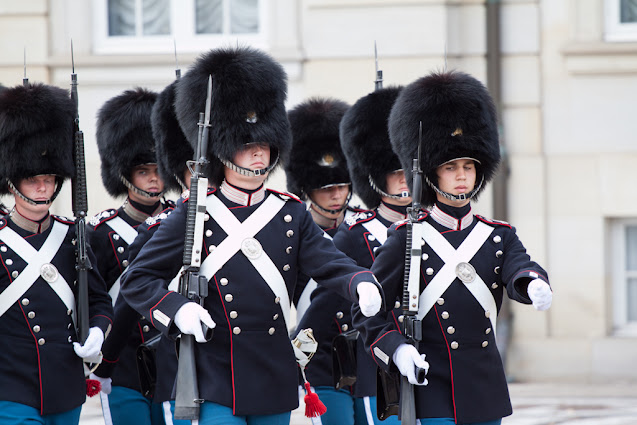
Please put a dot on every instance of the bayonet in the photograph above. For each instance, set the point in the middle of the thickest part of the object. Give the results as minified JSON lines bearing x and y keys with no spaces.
{"x":177,"y":69}
{"x":378,"y":82}
{"x":25,"y":80}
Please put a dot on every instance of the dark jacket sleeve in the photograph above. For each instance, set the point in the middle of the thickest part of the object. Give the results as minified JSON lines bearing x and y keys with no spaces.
{"x":100,"y":305}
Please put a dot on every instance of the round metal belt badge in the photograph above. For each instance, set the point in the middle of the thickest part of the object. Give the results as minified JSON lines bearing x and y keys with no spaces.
{"x":49,"y":272}
{"x":251,"y":248}
{"x":465,"y":272}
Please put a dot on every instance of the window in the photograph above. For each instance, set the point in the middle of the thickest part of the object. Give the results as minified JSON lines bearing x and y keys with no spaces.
{"x":151,"y":26}
{"x":624,"y":254}
{"x":621,"y":20}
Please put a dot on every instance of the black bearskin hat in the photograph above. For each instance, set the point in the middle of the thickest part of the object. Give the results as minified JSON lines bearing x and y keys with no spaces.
{"x":459,"y":120}
{"x":249,"y":89}
{"x":316,"y":159}
{"x":124,"y":137}
{"x":365,"y":141}
{"x":36,"y":133}
{"x":171,"y":145}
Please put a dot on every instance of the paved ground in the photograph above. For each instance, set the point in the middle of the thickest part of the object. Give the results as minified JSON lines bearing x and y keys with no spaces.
{"x":533,"y":404}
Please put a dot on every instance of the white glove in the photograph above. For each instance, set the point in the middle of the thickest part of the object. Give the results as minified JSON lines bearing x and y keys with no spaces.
{"x":369,"y":298}
{"x":407,"y":359}
{"x":92,"y":345}
{"x":540,"y":294}
{"x":189,"y":318}
{"x":105,"y":383}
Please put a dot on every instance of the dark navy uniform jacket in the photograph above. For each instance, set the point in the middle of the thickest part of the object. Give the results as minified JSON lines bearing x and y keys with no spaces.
{"x":131,"y":329}
{"x":249,"y":364}
{"x":466,"y":375}
{"x":38,"y":366}
{"x":330,"y":314}
{"x":112,"y":253}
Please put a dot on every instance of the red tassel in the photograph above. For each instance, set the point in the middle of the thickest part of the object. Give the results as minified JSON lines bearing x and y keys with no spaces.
{"x":313,"y":406}
{"x":93,"y":387}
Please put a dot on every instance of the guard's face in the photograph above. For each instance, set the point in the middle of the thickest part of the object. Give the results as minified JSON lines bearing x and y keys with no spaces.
{"x":331,"y":198}
{"x":396,"y":183}
{"x":37,"y":188}
{"x":146,"y":177}
{"x":253,"y":156}
{"x":456,"y":177}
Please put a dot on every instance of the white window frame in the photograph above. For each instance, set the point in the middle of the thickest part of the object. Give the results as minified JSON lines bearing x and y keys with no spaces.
{"x":183,"y":36}
{"x":621,"y":325}
{"x":615,"y":31}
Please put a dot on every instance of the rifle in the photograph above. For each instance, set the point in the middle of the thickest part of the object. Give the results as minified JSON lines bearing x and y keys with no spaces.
{"x":378,"y":82}
{"x":25,"y":80}
{"x":192,"y":285}
{"x":411,"y":290}
{"x":80,"y":208}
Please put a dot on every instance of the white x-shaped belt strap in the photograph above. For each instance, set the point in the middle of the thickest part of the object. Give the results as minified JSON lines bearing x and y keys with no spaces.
{"x":447,"y":274}
{"x":239,"y":233}
{"x":378,"y":229}
{"x":128,"y":233}
{"x":35,"y":260}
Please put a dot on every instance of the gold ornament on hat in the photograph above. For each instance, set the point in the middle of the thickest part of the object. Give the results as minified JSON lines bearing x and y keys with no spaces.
{"x":251,"y":117}
{"x":457,"y":132}
{"x":328,"y":160}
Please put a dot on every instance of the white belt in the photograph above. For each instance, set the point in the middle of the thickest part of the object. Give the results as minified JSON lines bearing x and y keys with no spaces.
{"x":237,"y":233}
{"x":35,"y":260}
{"x":447,"y":274}
{"x":125,"y":230}
{"x":377,"y":229}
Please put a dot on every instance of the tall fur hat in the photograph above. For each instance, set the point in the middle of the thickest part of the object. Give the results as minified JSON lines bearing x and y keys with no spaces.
{"x":36,"y":133}
{"x":171,"y":145}
{"x":365,"y":141}
{"x":459,"y":120}
{"x":124,"y":137}
{"x":316,"y":159}
{"x":249,"y":89}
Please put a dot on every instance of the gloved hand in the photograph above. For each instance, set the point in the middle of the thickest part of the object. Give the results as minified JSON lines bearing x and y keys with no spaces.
{"x":369,"y":298}
{"x":407,"y":359}
{"x":92,"y":345}
{"x":105,"y":383}
{"x":189,"y":318}
{"x":540,"y":294}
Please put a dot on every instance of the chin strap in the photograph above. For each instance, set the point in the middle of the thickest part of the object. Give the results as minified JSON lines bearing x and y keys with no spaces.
{"x":325,"y":210}
{"x":461,"y":197}
{"x":403,"y":194}
{"x":31,"y":201}
{"x":139,"y":191}
{"x":248,"y":172}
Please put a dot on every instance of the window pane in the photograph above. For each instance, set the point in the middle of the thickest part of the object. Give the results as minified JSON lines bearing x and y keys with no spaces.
{"x":156,"y":17}
{"x":631,"y":302}
{"x":244,"y":16}
{"x":628,"y":11}
{"x":121,"y":17}
{"x":209,"y":15}
{"x":631,"y":248}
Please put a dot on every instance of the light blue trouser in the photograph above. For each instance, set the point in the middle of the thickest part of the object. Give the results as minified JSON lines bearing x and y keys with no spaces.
{"x":216,"y":414}
{"x":20,"y":414}
{"x":345,"y":409}
{"x":124,"y":406}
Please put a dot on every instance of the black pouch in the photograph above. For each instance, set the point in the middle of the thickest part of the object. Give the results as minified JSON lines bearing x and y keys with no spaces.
{"x":344,"y":359}
{"x":147,"y":366}
{"x":387,"y":394}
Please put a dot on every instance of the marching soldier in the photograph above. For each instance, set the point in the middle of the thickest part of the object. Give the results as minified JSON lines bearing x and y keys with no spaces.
{"x":317,"y":173}
{"x":41,"y":363}
{"x":467,"y":261}
{"x":129,"y":167}
{"x":247,"y":373}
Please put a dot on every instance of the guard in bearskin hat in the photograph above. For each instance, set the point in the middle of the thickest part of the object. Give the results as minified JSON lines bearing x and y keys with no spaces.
{"x":37,"y":292}
{"x":380,"y":182}
{"x":256,"y":241}
{"x":129,"y":167}
{"x":172,"y":152}
{"x":467,"y":261}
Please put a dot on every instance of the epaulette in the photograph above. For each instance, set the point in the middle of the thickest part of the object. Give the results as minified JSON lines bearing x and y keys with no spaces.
{"x":359,"y":217}
{"x":493,"y":222}
{"x":185,"y":195}
{"x":102,"y":217}
{"x":151,"y":221}
{"x":286,"y":196}
{"x":422,"y":215}
{"x":63,"y":219}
